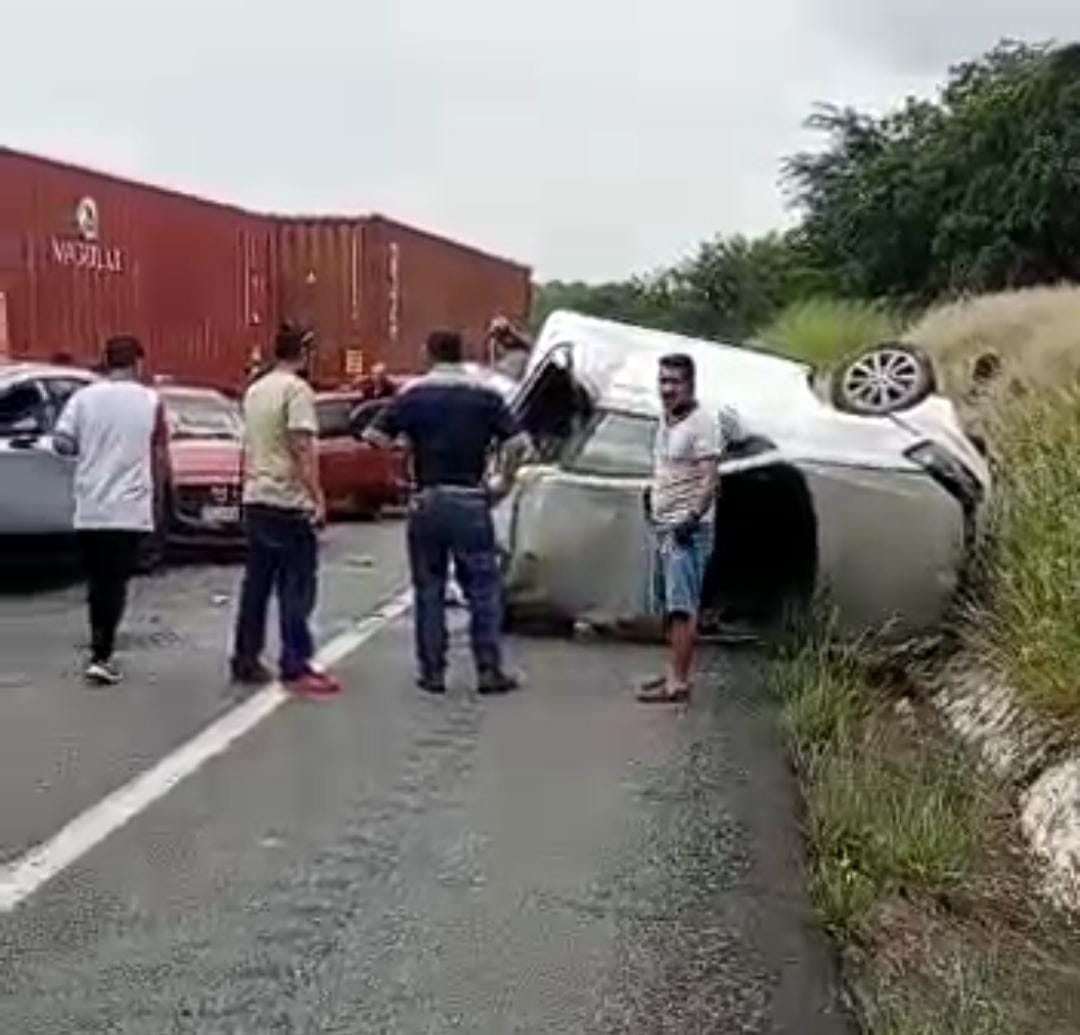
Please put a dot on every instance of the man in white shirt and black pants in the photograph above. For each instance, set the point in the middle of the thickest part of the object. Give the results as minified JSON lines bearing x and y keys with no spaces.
{"x":116,"y":430}
{"x":680,"y":507}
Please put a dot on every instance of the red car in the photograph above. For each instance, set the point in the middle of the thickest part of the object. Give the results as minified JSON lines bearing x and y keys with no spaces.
{"x":201,"y":505}
{"x":357,"y":478}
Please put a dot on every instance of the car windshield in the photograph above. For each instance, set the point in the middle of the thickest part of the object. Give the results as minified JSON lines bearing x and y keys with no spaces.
{"x":333,"y":417}
{"x":620,"y":445}
{"x":203,"y":416}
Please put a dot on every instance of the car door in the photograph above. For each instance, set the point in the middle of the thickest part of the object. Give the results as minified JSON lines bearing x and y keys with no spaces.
{"x":37,"y":497}
{"x":352,"y":471}
{"x":378,"y":475}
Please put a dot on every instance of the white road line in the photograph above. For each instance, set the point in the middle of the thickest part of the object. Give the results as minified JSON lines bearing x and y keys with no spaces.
{"x":21,"y":878}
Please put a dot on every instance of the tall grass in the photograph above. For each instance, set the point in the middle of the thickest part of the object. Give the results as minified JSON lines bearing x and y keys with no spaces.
{"x":1035,"y":333}
{"x":1027,"y":621}
{"x":821,"y":331}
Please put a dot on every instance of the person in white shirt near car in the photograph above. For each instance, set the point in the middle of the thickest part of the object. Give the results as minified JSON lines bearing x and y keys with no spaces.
{"x":116,"y":430}
{"x":680,"y":507}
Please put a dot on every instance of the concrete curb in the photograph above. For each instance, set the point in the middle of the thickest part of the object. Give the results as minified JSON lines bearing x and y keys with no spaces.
{"x":1032,"y":756}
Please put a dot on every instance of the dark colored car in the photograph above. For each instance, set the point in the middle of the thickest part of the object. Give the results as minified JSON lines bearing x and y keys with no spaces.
{"x":357,"y":478}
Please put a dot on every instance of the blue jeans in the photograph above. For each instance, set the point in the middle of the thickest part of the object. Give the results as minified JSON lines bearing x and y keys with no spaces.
{"x":445,"y":524}
{"x":678,"y":571}
{"x":282,"y":557}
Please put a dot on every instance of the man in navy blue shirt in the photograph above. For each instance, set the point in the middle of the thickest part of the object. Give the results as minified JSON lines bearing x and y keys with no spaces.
{"x":452,"y":422}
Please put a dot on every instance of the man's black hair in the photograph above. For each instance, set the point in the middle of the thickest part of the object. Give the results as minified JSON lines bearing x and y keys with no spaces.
{"x":445,"y":346}
{"x":122,"y":352}
{"x":681,"y":362}
{"x":290,"y":343}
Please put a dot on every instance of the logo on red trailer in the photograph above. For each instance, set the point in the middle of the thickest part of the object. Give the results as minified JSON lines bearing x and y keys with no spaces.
{"x":87,"y":219}
{"x":84,"y":252}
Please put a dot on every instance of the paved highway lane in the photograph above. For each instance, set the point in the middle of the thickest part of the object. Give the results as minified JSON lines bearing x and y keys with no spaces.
{"x":63,"y":746}
{"x":562,"y":860}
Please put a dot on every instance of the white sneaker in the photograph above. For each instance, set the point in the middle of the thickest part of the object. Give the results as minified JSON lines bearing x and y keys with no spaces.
{"x":103,"y":673}
{"x":455,"y":595}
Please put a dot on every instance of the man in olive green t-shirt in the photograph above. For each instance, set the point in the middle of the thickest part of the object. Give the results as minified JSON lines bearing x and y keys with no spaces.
{"x":283,"y":506}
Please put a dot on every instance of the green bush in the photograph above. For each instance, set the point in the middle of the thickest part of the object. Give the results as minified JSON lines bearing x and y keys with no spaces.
{"x":823,"y":330}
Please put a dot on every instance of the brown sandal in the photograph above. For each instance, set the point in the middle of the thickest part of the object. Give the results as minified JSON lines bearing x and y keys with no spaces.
{"x":658,"y":692}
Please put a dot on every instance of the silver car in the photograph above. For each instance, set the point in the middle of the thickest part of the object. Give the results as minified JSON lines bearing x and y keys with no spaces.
{"x":878,"y":506}
{"x":36,"y":498}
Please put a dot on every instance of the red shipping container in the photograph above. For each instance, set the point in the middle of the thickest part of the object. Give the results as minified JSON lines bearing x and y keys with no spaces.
{"x":421,"y":282}
{"x":84,"y":255}
{"x":318,"y":282}
{"x":373,"y":289}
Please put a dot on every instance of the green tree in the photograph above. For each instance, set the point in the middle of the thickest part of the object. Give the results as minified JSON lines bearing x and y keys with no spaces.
{"x":974,"y":191}
{"x":726,"y":290}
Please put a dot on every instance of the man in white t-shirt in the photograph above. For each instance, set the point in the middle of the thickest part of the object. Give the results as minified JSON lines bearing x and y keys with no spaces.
{"x":116,"y":430}
{"x":680,"y":506}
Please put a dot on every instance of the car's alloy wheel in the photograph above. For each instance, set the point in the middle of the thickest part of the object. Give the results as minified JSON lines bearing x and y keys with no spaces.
{"x":883,"y":380}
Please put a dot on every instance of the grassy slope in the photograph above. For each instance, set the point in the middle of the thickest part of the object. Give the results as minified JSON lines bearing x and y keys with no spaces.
{"x":914,"y":865}
{"x":1026,"y":619}
{"x":1036,"y":334}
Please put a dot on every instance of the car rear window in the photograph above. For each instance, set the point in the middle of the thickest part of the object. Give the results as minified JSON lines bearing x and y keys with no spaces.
{"x":202,"y":416}
{"x":619,"y":446}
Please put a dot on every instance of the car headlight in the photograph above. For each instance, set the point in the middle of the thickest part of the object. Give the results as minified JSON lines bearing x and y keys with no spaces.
{"x":949,"y":472}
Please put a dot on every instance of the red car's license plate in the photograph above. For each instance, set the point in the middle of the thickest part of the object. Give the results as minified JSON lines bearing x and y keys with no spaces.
{"x":220,"y":515}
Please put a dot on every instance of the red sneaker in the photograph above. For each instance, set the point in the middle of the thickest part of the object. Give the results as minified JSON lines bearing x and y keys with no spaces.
{"x":314,"y":684}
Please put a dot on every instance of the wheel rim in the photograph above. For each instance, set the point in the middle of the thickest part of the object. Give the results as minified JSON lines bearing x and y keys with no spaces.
{"x":882,"y":381}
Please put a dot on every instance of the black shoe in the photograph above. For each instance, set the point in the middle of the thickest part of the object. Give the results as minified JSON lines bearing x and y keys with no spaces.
{"x":497,"y":682}
{"x":250,"y":673}
{"x":432,"y":685}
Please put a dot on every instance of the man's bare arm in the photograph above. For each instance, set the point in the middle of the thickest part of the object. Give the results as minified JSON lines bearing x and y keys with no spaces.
{"x":511,"y":456}
{"x":710,"y":472}
{"x":306,"y":468}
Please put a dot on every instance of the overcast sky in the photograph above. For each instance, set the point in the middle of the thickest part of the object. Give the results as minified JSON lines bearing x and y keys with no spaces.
{"x":590,"y":138}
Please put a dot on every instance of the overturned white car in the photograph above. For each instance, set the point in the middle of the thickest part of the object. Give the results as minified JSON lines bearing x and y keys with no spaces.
{"x":878,"y":506}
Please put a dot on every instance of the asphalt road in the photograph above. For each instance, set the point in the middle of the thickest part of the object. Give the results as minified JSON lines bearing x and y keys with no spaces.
{"x":562,"y":860}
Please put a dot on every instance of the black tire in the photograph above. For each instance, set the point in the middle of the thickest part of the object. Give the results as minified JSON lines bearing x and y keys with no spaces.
{"x":887,"y":378}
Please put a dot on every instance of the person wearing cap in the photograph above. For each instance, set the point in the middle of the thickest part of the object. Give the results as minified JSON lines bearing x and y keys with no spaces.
{"x":116,"y":430}
{"x":452,"y":420}
{"x":283,"y":507}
